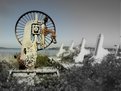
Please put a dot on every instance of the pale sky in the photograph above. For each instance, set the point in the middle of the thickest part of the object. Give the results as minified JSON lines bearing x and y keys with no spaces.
{"x":74,"y":19}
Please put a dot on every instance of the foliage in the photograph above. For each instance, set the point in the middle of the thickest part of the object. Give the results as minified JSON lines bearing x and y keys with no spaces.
{"x":105,"y":76}
{"x":42,"y":61}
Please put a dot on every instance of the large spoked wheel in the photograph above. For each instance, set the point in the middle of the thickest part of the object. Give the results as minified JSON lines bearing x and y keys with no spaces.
{"x":29,"y":16}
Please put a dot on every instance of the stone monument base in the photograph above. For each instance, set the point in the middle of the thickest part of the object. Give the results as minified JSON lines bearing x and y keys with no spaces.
{"x":30,"y":77}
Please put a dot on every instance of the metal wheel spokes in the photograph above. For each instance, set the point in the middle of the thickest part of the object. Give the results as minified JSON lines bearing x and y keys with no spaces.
{"x":29,"y":16}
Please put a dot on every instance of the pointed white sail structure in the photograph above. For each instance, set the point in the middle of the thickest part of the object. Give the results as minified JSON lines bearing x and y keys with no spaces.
{"x":116,"y":49}
{"x":71,"y":48}
{"x":82,"y":53}
{"x":61,"y":51}
{"x":100,"y":52}
{"x":70,"y":51}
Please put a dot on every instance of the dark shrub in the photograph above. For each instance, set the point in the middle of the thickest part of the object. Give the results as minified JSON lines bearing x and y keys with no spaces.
{"x":42,"y":61}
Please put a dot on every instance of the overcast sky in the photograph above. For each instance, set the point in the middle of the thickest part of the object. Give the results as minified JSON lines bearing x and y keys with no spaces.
{"x":73,"y":19}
